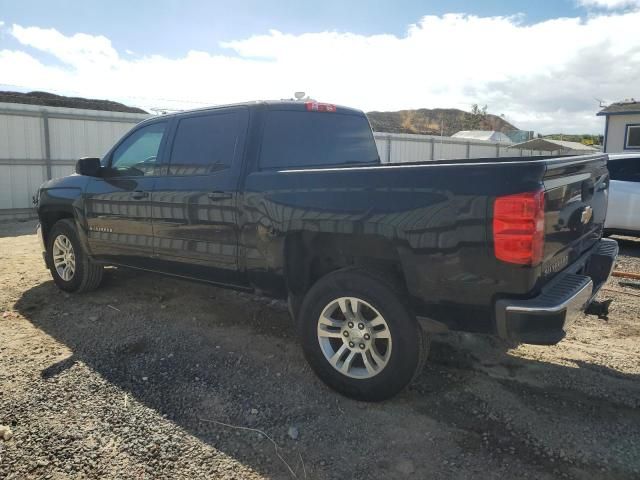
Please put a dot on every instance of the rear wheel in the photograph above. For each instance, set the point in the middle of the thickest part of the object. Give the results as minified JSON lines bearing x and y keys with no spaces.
{"x":70,"y":266}
{"x":359,"y":336}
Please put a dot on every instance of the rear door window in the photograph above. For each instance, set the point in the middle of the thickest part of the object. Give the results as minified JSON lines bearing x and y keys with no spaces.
{"x":206,"y":143}
{"x":308,"y":139}
{"x":625,"y":169}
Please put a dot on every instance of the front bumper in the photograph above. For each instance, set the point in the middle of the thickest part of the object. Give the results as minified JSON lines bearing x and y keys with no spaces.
{"x":43,"y":248}
{"x":543,"y":320}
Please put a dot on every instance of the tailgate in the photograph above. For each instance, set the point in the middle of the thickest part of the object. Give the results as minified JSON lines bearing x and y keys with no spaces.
{"x":576,"y":196}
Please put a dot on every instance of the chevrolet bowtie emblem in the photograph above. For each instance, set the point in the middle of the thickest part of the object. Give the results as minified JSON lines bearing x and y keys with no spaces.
{"x":587,"y":213}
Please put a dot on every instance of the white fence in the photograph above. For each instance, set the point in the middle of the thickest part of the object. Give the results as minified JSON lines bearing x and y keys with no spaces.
{"x":38,"y":143}
{"x":401,"y":148}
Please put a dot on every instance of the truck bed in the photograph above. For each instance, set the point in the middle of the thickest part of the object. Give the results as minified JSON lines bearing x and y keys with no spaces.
{"x":435,"y":217}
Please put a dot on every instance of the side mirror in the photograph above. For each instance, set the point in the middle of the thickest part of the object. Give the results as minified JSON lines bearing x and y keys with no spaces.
{"x":88,"y":166}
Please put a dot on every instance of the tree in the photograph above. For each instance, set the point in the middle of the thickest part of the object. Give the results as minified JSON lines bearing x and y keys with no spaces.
{"x":476,"y":118}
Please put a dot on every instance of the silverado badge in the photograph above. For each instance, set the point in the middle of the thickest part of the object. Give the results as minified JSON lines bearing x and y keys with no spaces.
{"x":101,"y":229}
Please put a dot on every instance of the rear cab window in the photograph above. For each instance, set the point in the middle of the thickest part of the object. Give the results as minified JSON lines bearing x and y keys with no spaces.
{"x":299,"y":138}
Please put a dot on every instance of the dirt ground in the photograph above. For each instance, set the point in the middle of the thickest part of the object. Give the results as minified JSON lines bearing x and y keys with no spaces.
{"x":152,"y":377}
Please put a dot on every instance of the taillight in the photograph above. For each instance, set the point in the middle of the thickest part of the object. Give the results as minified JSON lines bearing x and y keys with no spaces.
{"x":518,"y":228}
{"x":320,"y":107}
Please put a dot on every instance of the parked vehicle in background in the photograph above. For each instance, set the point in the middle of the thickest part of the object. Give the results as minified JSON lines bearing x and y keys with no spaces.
{"x":290,"y":199}
{"x":624,"y":194}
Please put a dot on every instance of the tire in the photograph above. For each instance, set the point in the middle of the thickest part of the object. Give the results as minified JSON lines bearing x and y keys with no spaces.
{"x":84,"y":276}
{"x":370,"y":369}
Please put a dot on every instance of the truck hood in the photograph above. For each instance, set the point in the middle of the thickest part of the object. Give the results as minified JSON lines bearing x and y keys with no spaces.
{"x":70,"y":181}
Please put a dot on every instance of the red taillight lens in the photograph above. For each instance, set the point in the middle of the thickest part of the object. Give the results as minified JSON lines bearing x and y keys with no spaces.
{"x":518,"y":228}
{"x":320,"y":107}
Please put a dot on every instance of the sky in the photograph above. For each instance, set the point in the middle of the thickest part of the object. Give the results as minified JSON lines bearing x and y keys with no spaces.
{"x":545,"y":65}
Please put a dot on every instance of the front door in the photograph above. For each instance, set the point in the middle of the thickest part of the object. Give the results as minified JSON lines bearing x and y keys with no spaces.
{"x":195,"y":205}
{"x":118,"y":204}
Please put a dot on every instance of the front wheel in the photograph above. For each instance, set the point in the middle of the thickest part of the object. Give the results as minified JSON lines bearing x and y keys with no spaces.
{"x":359,"y":336}
{"x":70,"y":266}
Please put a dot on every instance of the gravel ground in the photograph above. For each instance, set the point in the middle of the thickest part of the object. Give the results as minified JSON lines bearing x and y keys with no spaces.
{"x":152,"y":377}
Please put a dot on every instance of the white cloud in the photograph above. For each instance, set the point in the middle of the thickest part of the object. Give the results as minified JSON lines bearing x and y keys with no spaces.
{"x":543,"y":76}
{"x":609,"y":4}
{"x":80,"y":50}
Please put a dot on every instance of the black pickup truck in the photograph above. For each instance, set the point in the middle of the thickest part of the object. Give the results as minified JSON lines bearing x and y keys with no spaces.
{"x":290,"y":200}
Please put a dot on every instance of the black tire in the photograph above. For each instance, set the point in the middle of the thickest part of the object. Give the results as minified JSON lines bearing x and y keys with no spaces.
{"x":410,"y":343}
{"x":87,"y":275}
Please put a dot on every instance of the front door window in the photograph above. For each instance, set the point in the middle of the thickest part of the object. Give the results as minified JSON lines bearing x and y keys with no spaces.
{"x":137,"y":154}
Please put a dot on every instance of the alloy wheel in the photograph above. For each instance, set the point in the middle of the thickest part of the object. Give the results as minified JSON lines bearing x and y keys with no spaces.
{"x":354,"y":337}
{"x":64,"y":259}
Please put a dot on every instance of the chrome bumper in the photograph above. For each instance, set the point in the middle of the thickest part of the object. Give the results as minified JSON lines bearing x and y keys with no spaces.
{"x":543,"y":319}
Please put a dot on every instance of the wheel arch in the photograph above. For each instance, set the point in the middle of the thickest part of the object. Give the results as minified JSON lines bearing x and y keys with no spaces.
{"x":308,"y":256}
{"x":49,"y":217}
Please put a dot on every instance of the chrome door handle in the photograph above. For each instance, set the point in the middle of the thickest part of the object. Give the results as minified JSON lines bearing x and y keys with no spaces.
{"x":217,"y":196}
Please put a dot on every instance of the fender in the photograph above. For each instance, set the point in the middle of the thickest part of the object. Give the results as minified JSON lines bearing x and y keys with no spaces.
{"x":64,"y":198}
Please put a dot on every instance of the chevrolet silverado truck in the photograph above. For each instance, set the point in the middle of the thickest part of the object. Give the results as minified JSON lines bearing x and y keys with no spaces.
{"x":290,"y":200}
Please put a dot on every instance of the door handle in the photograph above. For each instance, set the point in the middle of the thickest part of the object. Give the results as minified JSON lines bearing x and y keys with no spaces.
{"x":217,"y":196}
{"x":139,"y":194}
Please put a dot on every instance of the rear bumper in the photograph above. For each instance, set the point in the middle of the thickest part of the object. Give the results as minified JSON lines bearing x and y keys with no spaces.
{"x":543,"y":320}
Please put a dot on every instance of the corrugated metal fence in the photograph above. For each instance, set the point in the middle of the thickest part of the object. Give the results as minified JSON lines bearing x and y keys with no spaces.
{"x":38,"y":143}
{"x":401,"y":148}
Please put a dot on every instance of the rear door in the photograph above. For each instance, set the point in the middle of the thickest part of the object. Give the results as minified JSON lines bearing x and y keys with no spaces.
{"x":576,"y":197}
{"x":624,"y":198}
{"x":195,"y":211}
{"x":118,"y":208}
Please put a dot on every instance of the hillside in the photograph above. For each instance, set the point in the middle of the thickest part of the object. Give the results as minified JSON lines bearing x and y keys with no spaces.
{"x":585,"y":138}
{"x":426,"y":121}
{"x":52,"y":100}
